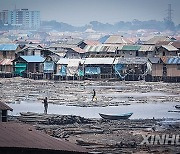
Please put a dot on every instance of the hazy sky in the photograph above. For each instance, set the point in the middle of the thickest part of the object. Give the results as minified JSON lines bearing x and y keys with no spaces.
{"x":81,"y":12}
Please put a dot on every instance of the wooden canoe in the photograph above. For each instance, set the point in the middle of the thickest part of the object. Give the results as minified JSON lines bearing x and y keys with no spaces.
{"x":116,"y":117}
{"x":177,"y":106}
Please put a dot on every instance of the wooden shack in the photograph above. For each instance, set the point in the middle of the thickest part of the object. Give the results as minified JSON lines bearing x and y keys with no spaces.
{"x":28,"y":66}
{"x":166,"y":50}
{"x":147,"y":51}
{"x":69,"y":69}
{"x":74,"y":53}
{"x":172,"y":69}
{"x":50,"y":66}
{"x":99,"y":68}
{"x":30,"y":50}
{"x":6,"y":68}
{"x":156,"y":69}
{"x":128,"y":51}
{"x":131,"y":69}
{"x":4,"y":112}
{"x":8,"y":51}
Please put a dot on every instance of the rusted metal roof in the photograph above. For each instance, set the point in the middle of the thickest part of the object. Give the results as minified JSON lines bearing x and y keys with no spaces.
{"x":169,"y":47}
{"x":157,"y":39}
{"x":3,"y":106}
{"x":6,"y":62}
{"x":115,"y":39}
{"x":91,"y":42}
{"x":16,"y":135}
{"x":145,"y":48}
{"x":176,"y":44}
{"x":163,"y":43}
{"x":102,"y":48}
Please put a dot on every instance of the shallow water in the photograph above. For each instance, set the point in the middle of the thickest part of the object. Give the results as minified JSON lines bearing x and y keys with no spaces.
{"x":140,"y":110}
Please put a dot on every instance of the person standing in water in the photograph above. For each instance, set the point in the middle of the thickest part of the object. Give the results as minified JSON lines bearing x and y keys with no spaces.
{"x":45,"y":105}
{"x":94,"y":98}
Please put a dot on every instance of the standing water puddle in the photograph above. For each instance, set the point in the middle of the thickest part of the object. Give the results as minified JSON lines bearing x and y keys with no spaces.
{"x":141,"y":110}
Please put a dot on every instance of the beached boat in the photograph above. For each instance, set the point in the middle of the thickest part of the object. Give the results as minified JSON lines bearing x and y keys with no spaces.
{"x":177,"y":106}
{"x":116,"y":117}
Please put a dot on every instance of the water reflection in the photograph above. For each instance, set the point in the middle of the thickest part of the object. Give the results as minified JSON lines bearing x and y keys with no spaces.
{"x":142,"y":111}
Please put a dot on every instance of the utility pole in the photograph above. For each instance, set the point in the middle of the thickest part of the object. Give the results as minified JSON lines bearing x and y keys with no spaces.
{"x":168,"y":20}
{"x":169,"y":17}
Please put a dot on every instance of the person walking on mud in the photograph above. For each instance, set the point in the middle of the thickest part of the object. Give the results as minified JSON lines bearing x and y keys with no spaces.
{"x":45,"y":105}
{"x":94,"y":98}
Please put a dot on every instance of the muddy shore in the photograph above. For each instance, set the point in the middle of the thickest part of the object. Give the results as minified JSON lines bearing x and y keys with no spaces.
{"x":109,"y":136}
{"x":79,"y":93}
{"x":97,"y":135}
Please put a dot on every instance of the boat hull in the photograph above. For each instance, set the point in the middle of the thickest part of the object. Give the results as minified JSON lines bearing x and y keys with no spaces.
{"x":115,"y":117}
{"x":177,"y":106}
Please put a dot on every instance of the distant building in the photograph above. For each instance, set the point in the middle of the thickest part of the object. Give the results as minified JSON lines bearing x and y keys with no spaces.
{"x":23,"y":18}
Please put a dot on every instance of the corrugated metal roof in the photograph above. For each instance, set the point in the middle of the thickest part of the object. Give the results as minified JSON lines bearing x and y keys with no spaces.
{"x":173,"y":60}
{"x":8,"y":47}
{"x":33,"y":59}
{"x":74,"y":41}
{"x":134,"y":60}
{"x":91,"y":42}
{"x":157,"y":39}
{"x":117,"y":39}
{"x":6,"y":62}
{"x":176,"y":44}
{"x":66,"y":61}
{"x":74,"y":62}
{"x":25,"y":136}
{"x":61,"y":45}
{"x":155,"y":60}
{"x":169,"y":47}
{"x":147,"y":48}
{"x":103,"y":48}
{"x":89,"y":61}
{"x":54,"y":57}
{"x":131,"y":47}
{"x":63,"y":61}
{"x":78,"y":50}
{"x":163,"y":43}
{"x":104,"y":38}
{"x":4,"y":40}
{"x":3,"y":106}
